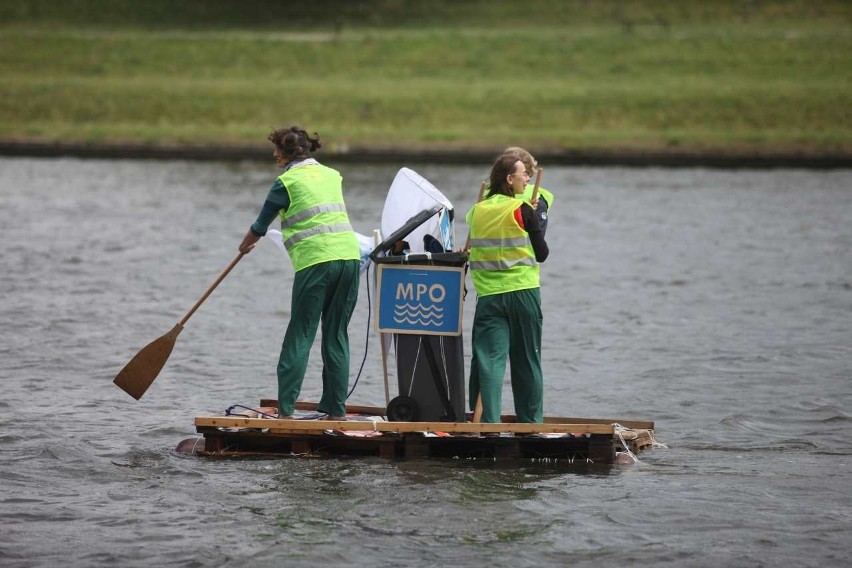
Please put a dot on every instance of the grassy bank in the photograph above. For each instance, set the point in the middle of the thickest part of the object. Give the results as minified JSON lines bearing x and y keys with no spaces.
{"x":685,"y":76}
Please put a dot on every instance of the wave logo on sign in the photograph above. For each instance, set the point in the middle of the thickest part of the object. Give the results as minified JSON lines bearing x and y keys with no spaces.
{"x":418,"y":314}
{"x":411,"y":307}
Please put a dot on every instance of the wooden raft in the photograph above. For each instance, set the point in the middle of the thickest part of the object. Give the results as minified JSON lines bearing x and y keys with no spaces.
{"x":559,"y":439}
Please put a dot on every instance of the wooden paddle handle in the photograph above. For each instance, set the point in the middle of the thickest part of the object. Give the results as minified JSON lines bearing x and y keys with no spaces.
{"x":481,"y":192}
{"x":211,"y":288}
{"x":377,"y":239}
{"x":478,"y":199}
{"x":537,"y":183}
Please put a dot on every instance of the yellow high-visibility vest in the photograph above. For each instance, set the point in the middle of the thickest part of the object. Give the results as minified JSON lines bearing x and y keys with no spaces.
{"x":315,"y":227}
{"x":501,"y":254}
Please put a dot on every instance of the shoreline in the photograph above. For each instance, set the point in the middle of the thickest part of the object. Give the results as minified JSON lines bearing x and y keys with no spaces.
{"x":625,"y":158}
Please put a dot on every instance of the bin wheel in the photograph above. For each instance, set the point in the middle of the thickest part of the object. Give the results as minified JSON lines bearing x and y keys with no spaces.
{"x":403,"y":409}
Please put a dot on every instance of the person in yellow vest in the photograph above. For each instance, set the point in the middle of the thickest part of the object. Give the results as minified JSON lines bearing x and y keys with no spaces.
{"x":506,"y":245}
{"x":324,"y":250}
{"x":542,"y":205}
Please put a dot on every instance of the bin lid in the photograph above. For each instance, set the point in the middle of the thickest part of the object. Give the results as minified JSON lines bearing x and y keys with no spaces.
{"x":412,"y":223}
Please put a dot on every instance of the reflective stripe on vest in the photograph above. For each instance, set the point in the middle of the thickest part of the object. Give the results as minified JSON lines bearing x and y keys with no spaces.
{"x":301,"y":235}
{"x":311,"y":211}
{"x":500,"y":264}
{"x":501,"y":255}
{"x":315,"y":227}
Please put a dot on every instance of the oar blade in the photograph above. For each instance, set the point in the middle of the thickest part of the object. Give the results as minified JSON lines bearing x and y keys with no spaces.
{"x":140,"y":372}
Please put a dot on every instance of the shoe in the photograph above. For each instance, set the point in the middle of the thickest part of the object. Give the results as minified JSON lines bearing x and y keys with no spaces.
{"x":287,"y":417}
{"x":333,"y":417}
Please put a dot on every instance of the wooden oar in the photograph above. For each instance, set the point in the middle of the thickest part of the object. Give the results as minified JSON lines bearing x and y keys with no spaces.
{"x":477,"y":412}
{"x":535,"y":187}
{"x":376,"y":240}
{"x":477,"y":409}
{"x":140,"y":372}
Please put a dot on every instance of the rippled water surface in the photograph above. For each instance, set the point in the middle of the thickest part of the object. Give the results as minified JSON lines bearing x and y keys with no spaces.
{"x":716,"y":303}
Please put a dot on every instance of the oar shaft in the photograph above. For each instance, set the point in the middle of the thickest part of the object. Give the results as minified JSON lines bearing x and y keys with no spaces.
{"x":211,"y":288}
{"x":481,"y":192}
{"x":537,"y":183}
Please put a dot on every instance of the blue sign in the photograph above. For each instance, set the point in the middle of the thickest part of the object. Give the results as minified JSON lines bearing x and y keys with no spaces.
{"x":419,"y":299}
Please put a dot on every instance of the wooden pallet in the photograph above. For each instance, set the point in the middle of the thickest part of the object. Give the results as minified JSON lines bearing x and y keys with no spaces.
{"x":575,"y":440}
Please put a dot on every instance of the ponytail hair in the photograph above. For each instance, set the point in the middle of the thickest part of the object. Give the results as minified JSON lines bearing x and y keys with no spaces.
{"x":294,"y":143}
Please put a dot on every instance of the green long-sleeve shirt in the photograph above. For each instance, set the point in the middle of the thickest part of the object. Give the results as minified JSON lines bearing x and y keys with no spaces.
{"x":276,"y":200}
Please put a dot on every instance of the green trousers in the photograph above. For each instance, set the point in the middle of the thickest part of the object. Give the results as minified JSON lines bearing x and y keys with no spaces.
{"x":327,"y":293}
{"x":508,"y":325}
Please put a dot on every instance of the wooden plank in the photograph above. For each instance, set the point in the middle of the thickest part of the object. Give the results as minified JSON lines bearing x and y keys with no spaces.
{"x":641,"y":424}
{"x":415,"y":447}
{"x":400,"y":427}
{"x":387,"y":449}
{"x":597,"y":448}
{"x":213,"y":444}
{"x":350,"y":408}
{"x":287,"y":431}
{"x":506,"y":418}
{"x":629,"y":435}
{"x":601,"y":452}
{"x":643,"y":440}
{"x":505,"y":448}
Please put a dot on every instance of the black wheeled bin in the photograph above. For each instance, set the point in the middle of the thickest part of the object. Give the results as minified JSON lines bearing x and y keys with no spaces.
{"x":430,"y":367}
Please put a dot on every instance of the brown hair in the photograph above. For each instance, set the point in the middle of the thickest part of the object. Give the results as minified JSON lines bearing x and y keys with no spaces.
{"x":294,"y":143}
{"x":501,"y":169}
{"x":529,"y":161}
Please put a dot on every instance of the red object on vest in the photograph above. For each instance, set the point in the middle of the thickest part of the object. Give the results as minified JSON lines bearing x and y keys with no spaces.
{"x":519,"y":218}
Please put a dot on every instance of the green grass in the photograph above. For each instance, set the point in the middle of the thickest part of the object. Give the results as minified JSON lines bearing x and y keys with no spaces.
{"x":690,"y":76}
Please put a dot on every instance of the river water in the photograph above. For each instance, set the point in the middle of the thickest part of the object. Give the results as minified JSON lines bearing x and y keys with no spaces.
{"x":716,"y":303}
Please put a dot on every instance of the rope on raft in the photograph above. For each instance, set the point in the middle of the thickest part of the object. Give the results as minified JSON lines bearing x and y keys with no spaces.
{"x":654,"y":442}
{"x":619,"y":431}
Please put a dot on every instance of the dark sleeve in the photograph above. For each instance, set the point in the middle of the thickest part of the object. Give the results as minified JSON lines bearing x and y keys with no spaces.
{"x":276,"y":200}
{"x":541,"y":213}
{"x":267,"y":214}
{"x":536,"y":234}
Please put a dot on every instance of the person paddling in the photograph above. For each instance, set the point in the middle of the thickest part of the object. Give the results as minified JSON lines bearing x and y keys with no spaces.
{"x":324,"y":250}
